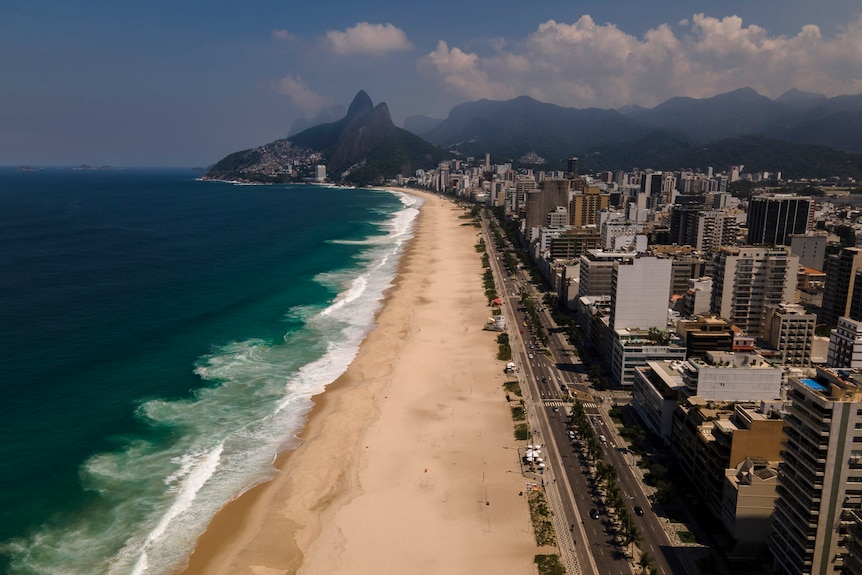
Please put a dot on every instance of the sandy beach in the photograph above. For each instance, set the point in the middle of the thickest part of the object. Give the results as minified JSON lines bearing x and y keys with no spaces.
{"x":408,"y":462}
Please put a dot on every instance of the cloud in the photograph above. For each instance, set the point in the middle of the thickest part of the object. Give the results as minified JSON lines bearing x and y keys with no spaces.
{"x":365,"y":38}
{"x":588,"y":64}
{"x":282,"y":35}
{"x":301,"y":95}
{"x":462,"y":74}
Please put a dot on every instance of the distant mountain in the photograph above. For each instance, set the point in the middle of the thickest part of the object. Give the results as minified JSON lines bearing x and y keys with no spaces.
{"x":736,"y":113}
{"x":666,"y":151}
{"x":515,"y":127}
{"x":362,"y":147}
{"x":663,"y":135}
{"x":794,"y":95}
{"x":420,"y":124}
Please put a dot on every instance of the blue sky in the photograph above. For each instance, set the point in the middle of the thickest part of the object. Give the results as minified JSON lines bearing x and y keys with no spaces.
{"x":184,"y":83}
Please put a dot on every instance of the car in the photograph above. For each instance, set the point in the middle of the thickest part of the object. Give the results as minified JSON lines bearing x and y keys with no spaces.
{"x":544,"y":379}
{"x":531,"y":356}
{"x":603,"y":439}
{"x":639,"y":510}
{"x":594,"y":513}
{"x":556,"y":409}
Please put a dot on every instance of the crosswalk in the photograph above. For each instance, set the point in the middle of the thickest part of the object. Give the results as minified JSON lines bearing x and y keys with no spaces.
{"x":554,"y":403}
{"x":590,"y":406}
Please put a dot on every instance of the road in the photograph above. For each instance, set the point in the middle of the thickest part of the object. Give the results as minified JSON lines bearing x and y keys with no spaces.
{"x":547,"y":378}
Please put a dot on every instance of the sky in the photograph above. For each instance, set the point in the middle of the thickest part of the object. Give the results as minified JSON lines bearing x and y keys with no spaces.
{"x":160,"y":83}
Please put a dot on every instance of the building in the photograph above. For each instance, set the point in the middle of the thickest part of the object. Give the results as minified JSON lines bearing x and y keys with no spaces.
{"x":727,"y":376}
{"x":696,"y":299}
{"x":750,"y":491}
{"x":820,"y":475}
{"x":569,"y":244}
{"x":640,"y":292}
{"x":773,"y":218}
{"x":790,"y":330}
{"x":845,"y":344}
{"x":585,"y":207}
{"x":655,"y":395}
{"x":811,"y":249}
{"x":597,"y":271}
{"x":632,"y":348}
{"x":705,"y":333}
{"x":319,"y":173}
{"x":841,"y":271}
{"x":710,"y":438}
{"x":747,"y":279}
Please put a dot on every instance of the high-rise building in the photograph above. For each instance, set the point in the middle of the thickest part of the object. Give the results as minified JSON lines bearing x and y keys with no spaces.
{"x":820,"y":475}
{"x":572,"y":168}
{"x":811,"y":249}
{"x":597,"y":270}
{"x":845,"y":344}
{"x":640,"y":292}
{"x":790,"y":330}
{"x":747,"y":279}
{"x":772,"y":218}
{"x":586,"y":206}
{"x":841,"y":276}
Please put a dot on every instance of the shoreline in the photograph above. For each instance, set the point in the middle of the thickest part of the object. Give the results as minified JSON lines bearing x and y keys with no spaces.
{"x":409,"y":452}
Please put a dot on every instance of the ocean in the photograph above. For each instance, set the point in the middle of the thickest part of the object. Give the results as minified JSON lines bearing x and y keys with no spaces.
{"x":161,"y":340}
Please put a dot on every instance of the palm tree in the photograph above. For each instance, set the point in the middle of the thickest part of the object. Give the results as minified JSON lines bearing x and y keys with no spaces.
{"x":646,"y":561}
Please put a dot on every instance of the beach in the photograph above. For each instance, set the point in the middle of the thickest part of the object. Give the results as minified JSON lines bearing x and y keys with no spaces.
{"x":408,"y":462}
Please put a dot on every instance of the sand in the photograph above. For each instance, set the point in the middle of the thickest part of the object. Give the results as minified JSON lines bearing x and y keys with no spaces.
{"x":408,"y":462}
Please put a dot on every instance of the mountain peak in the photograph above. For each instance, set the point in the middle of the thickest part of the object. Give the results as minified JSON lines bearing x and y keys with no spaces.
{"x":360,"y":106}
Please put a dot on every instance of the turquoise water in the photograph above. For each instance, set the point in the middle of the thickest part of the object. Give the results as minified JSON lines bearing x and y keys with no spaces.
{"x":162,"y":338}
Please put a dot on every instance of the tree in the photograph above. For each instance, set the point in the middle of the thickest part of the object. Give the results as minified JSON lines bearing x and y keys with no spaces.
{"x":646,"y":561}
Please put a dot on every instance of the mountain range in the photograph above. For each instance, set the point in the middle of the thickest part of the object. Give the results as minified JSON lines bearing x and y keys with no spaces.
{"x":801,"y":134}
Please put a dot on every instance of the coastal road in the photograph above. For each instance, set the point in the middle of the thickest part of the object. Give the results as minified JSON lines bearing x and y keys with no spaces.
{"x":551,"y":377}
{"x":545,"y":400}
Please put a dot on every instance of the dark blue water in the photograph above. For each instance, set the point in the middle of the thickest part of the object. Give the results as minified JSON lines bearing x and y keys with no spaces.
{"x":161,"y":338}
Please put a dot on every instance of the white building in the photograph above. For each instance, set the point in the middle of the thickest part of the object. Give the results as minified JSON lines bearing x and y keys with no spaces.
{"x":632,"y":348}
{"x":655,"y":393}
{"x":729,"y":376}
{"x":640,"y":293}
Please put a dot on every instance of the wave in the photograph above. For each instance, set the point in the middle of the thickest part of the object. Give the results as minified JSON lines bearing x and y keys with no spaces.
{"x":154,"y":497}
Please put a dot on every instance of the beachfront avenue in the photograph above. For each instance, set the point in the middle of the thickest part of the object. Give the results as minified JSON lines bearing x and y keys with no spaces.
{"x":551,"y":377}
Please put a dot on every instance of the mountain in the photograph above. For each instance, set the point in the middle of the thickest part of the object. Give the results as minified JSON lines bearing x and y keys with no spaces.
{"x":515,"y":127}
{"x":802,"y":125}
{"x":362,"y":147}
{"x":735,"y":113}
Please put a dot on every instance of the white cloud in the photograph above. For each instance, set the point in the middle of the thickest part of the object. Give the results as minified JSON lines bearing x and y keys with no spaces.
{"x":365,"y":38}
{"x":462,"y":74}
{"x":587,"y":64}
{"x":301,"y":95}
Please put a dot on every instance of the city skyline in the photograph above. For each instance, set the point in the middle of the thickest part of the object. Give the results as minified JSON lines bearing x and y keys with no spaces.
{"x":162,"y":85}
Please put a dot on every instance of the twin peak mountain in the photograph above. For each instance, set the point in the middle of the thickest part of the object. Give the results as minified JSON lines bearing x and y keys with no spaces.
{"x":363,"y":147}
